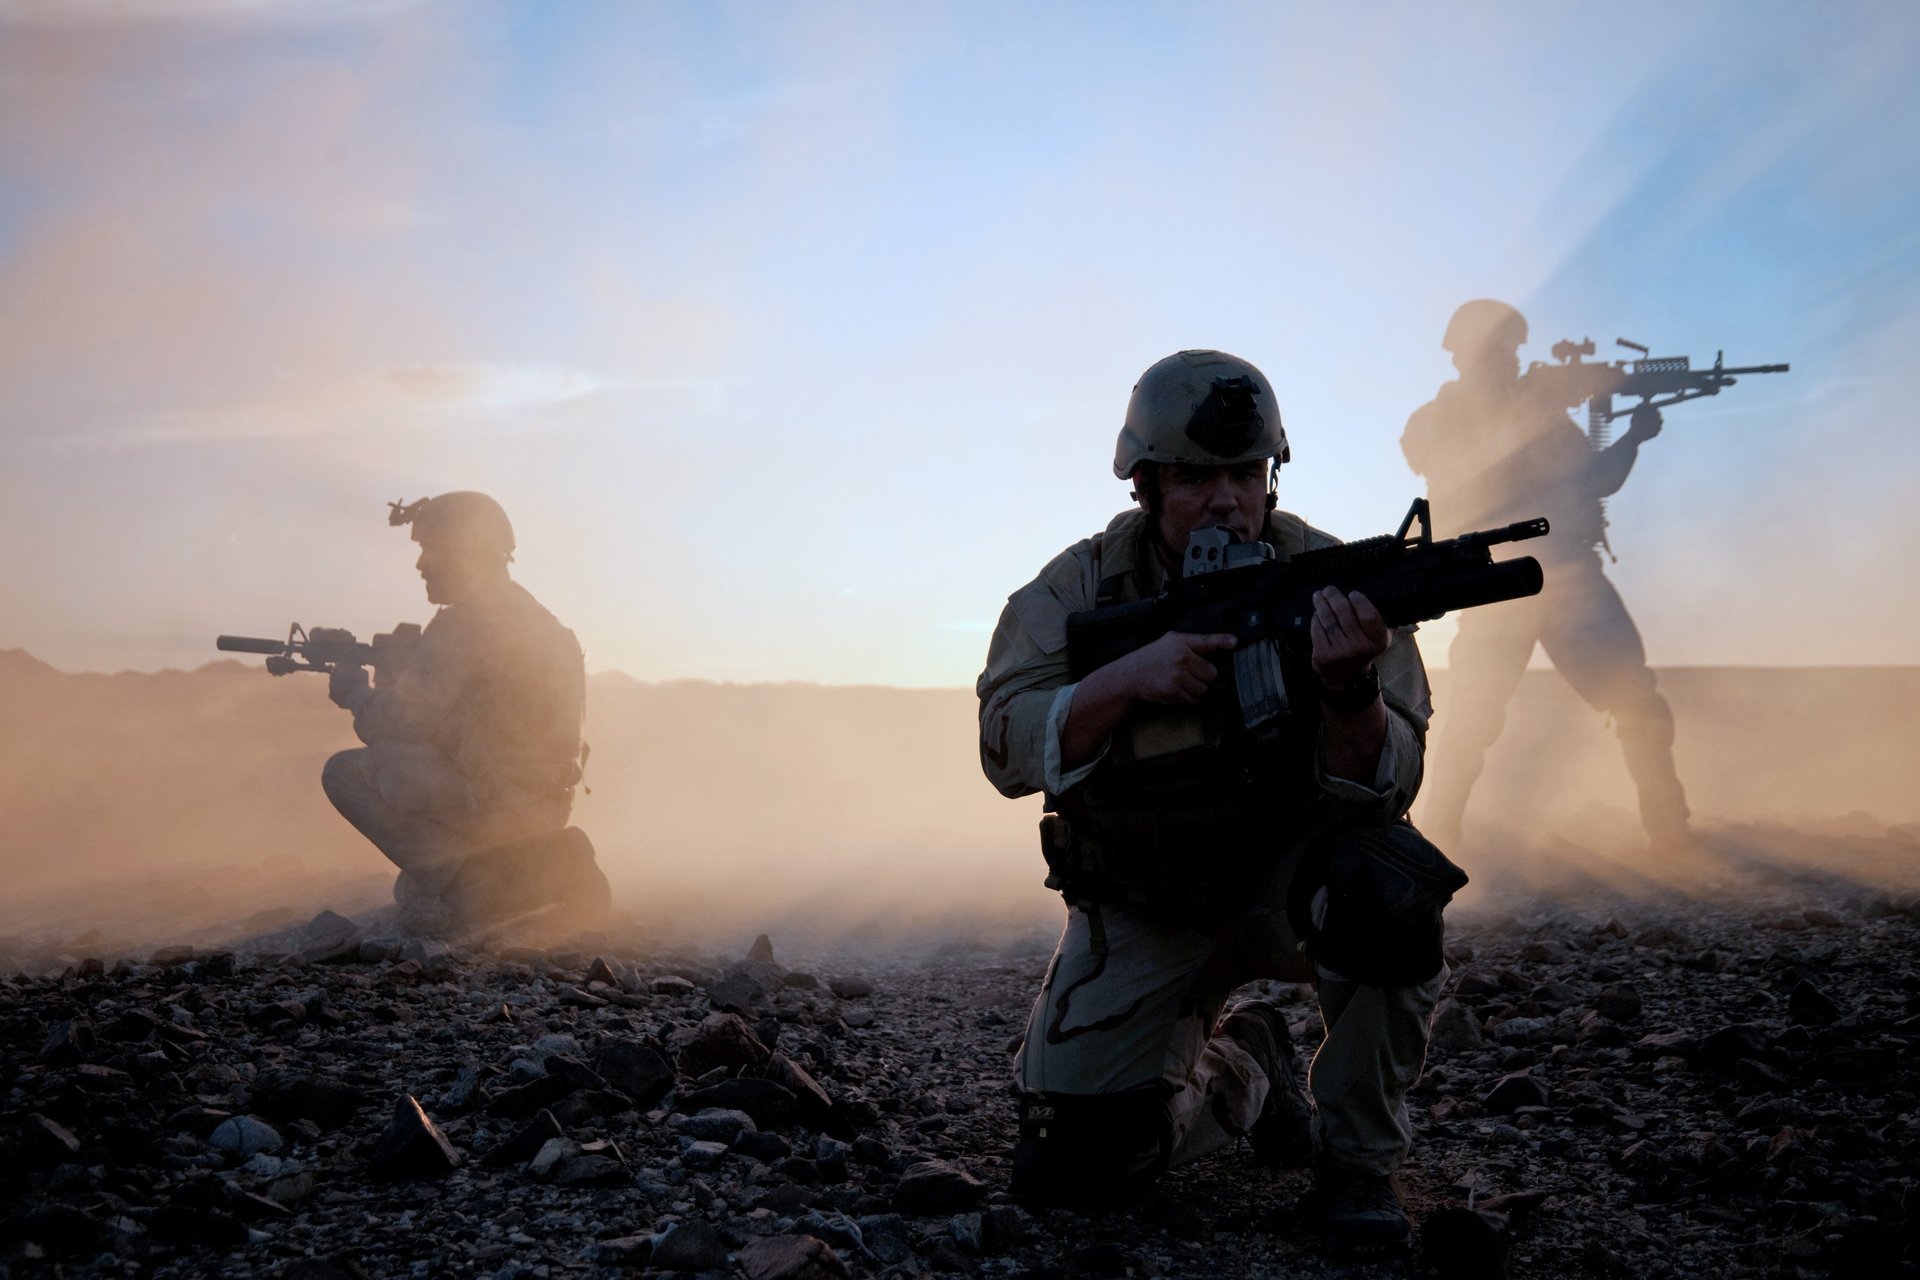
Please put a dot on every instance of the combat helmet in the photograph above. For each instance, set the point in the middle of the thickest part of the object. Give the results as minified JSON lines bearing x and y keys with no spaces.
{"x":1200,"y":408}
{"x":463,"y":516}
{"x":1484,"y":323}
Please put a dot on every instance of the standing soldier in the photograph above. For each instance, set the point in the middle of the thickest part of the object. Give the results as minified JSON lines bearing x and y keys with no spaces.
{"x":473,"y":746}
{"x":1493,"y":448}
{"x":1128,"y":1066}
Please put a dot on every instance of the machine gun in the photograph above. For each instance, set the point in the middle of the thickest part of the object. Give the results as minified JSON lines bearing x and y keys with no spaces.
{"x":1569,"y":381}
{"x":324,"y":648}
{"x":1267,"y":604}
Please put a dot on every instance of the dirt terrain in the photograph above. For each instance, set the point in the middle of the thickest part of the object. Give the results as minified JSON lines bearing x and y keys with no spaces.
{"x":1642,"y":1084}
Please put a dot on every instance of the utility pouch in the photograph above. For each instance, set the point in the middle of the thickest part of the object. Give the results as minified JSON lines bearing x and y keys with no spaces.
{"x":1368,"y":903}
{"x":1056,"y":845}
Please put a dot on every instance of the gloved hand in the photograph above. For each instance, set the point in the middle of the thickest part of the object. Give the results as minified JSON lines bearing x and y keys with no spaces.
{"x":348,"y":686}
{"x":1645,"y":424}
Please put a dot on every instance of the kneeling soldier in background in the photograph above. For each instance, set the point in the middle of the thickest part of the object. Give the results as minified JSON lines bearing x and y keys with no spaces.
{"x":474,"y":741}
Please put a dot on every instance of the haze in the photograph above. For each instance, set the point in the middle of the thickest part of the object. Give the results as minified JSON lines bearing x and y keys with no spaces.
{"x":793,"y":338}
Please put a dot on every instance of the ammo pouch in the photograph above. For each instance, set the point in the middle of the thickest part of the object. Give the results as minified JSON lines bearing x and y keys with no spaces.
{"x":1131,"y":857}
{"x":1368,"y":902}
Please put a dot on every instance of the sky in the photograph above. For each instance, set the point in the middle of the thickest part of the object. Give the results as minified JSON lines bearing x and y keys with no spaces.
{"x":795,"y":337}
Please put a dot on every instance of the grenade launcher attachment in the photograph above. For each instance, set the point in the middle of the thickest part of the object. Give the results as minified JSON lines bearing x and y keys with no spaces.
{"x":1267,"y":604}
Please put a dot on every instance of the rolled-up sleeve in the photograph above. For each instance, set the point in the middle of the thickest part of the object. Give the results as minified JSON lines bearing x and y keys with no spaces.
{"x":1396,"y":780}
{"x":1026,"y":691}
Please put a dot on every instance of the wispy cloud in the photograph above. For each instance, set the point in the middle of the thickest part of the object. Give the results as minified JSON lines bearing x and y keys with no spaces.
{"x":74,"y":13}
{"x":405,"y":396}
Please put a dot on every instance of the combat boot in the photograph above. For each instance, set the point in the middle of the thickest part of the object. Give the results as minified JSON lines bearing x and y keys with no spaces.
{"x":1283,"y":1135}
{"x":1360,"y":1212}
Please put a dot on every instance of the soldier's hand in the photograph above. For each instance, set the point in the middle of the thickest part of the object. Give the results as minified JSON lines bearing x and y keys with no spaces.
{"x":1176,"y":669}
{"x":1348,"y":634}
{"x":347,"y":685}
{"x":1645,"y":424}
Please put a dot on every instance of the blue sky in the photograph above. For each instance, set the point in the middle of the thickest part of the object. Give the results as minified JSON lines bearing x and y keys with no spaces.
{"x":794,"y":337}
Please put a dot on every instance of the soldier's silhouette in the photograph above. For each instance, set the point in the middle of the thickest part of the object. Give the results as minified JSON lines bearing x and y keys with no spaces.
{"x":1495,"y":449}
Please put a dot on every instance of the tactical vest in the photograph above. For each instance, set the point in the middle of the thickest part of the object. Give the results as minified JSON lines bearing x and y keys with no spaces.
{"x":1186,"y":808}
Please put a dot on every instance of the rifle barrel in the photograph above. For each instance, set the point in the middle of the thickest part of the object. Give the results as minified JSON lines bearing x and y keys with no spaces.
{"x":249,"y":644}
{"x":1518,"y":531}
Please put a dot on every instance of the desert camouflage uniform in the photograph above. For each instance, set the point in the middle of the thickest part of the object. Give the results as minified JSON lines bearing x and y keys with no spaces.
{"x":475,"y":742}
{"x":1127,"y":1012}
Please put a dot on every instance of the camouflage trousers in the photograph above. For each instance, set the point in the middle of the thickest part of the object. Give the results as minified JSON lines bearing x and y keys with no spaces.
{"x":418,"y":810}
{"x":1585,"y":629}
{"x":1129,"y":1010}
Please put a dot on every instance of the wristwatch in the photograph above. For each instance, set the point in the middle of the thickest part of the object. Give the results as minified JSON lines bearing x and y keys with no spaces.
{"x":1357,"y":696}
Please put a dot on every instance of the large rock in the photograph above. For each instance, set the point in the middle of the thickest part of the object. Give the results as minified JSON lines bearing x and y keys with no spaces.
{"x":850,"y":986}
{"x":768,"y":1103}
{"x":1809,"y":1006}
{"x":790,"y":1258}
{"x":1456,"y":1028}
{"x":937,"y":1186}
{"x":812,"y":1106}
{"x":47,"y":1142}
{"x":1723,"y":1049}
{"x":68,"y":1042}
{"x":715,"y":1124}
{"x":1512,"y":1092}
{"x":245,"y":1136}
{"x":331,"y":938}
{"x":720,"y":1040}
{"x":689,"y":1246}
{"x":735,"y":992}
{"x":635,"y":1069}
{"x":412,"y":1146}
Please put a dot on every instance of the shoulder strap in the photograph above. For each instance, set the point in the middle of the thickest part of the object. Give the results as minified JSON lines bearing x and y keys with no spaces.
{"x":1287,"y":533}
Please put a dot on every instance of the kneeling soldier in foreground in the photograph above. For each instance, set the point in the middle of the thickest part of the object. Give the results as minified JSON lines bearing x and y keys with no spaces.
{"x":1175,"y":826}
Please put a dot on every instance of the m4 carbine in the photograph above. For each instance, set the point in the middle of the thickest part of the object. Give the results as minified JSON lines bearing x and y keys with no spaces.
{"x":1658,"y":381}
{"x":1267,"y":604}
{"x":324,"y":648}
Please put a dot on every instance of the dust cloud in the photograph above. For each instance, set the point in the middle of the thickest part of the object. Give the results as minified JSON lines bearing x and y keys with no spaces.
{"x":144,"y":809}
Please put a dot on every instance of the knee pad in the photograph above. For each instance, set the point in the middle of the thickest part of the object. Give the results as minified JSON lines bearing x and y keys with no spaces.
{"x":1089,"y":1149}
{"x":1368,"y":903}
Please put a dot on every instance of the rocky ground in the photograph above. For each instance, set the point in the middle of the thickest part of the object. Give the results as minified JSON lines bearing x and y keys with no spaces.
{"x":1639,"y":1085}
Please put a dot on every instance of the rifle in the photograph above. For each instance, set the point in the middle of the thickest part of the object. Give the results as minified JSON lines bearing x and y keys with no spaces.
{"x":324,"y":648}
{"x":1570,"y":381}
{"x":1267,"y":604}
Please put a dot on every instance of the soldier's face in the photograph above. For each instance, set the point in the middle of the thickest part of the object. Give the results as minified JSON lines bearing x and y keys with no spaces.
{"x":1201,"y":497}
{"x":451,"y":572}
{"x":1488,"y":363}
